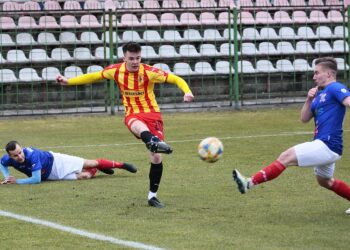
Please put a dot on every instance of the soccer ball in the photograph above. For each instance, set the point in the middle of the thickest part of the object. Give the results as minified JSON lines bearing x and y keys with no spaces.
{"x":210,"y":149}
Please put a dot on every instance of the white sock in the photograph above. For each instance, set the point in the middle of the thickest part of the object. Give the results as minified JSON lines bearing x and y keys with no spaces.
{"x":151,"y":195}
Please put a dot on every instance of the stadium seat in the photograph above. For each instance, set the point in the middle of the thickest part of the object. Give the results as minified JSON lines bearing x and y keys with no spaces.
{"x":208,"y":50}
{"x":11,"y":6}
{"x":208,"y":18}
{"x":267,"y":48}
{"x":111,"y":5}
{"x":69,"y":21}
{"x":245,"y":17}
{"x":340,"y":46}
{"x":250,"y":34}
{"x":60,"y":54}
{"x":94,"y":68}
{"x":188,"y":50}
{"x":335,"y":16}
{"x":246,"y":67}
{"x":48,"y":22}
{"x":227,"y":3}
{"x":92,"y":5}
{"x":223,"y":67}
{"x":30,"y":5}
{"x":52,"y":5}
{"x":6,"y":40}
{"x":72,"y":71}
{"x":28,"y":75}
{"x":263,"y":17}
{"x":341,"y":64}
{"x":50,"y":73}
{"x":284,"y":65}
{"x":130,"y":20}
{"x":301,"y":65}
{"x":47,"y":38}
{"x":285,"y":48}
{"x":299,"y":3}
{"x":169,"y":19}
{"x":131,"y":4}
{"x":172,"y":36}
{"x":248,"y":49}
{"x":317,"y":16}
{"x":7,"y":76}
{"x":7,"y":23}
{"x":225,"y":49}
{"x":148,"y":52}
{"x":333,"y":2}
{"x":151,"y":4}
{"x":168,"y":4}
{"x":192,"y":35}
{"x":71,"y":5}
{"x":27,"y":22}
{"x":208,"y":4}
{"x":67,"y":37}
{"x":150,"y":19}
{"x":281,"y":3}
{"x":212,"y":35}
{"x":100,"y":53}
{"x":162,"y":66}
{"x":106,"y":37}
{"x":168,"y":51}
{"x":204,"y":68}
{"x":38,"y":55}
{"x":340,"y":32}
{"x":246,"y":3}
{"x":183,"y":69}
{"x":89,"y":37}
{"x":317,"y":3}
{"x":189,"y":18}
{"x":282,"y":17}
{"x":306,"y":33}
{"x":131,"y":35}
{"x":16,"y":56}
{"x":267,"y":33}
{"x":82,"y":53}
{"x":105,"y":19}
{"x":323,"y":47}
{"x":263,"y":3}
{"x":2,"y":59}
{"x":265,"y":66}
{"x":228,"y":32}
{"x":151,"y":36}
{"x":89,"y":21}
{"x":189,"y":4}
{"x":300,"y":16}
{"x":223,"y":18}
{"x":323,"y":32}
{"x":287,"y":33}
{"x":304,"y":47}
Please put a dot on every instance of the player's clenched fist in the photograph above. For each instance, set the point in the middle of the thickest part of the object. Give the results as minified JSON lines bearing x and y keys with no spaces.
{"x":312,"y":93}
{"x":61,"y":80}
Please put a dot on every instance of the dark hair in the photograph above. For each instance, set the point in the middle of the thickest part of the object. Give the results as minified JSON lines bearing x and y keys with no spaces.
{"x":131,"y":47}
{"x":327,"y":62}
{"x":11,"y":145}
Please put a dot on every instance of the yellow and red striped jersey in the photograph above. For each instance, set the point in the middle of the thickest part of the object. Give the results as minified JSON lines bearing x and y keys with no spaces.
{"x":136,"y":88}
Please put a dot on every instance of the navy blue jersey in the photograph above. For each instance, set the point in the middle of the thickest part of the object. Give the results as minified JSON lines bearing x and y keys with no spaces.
{"x":35,"y":159}
{"x":329,"y":111}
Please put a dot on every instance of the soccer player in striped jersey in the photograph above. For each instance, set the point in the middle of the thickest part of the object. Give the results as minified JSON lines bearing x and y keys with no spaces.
{"x":39,"y":165}
{"x":326,"y":103}
{"x":136,"y":81}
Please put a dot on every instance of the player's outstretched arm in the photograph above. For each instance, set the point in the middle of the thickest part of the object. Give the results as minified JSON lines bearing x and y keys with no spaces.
{"x":80,"y":80}
{"x":182,"y":84}
{"x":34,"y":179}
{"x":4,"y":170}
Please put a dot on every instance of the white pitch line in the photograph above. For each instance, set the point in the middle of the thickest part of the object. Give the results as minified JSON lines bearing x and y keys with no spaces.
{"x":76,"y":231}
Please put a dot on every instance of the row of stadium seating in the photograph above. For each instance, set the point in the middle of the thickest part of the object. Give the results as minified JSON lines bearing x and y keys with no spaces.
{"x":113,"y":5}
{"x":183,"y":51}
{"x":181,"y":68}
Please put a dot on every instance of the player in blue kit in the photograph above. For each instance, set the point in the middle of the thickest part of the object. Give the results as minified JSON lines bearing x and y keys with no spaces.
{"x":41,"y":165}
{"x":326,"y":103}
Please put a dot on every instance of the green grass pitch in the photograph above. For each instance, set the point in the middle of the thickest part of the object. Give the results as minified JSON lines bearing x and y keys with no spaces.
{"x":203,"y":208}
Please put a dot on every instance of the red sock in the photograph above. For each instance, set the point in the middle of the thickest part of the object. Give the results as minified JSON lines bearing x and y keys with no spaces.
{"x":268,"y":173}
{"x":108,"y":164}
{"x":341,"y":188}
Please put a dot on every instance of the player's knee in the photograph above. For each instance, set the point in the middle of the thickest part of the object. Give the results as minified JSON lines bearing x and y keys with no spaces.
{"x":324,"y":182}
{"x":84,"y":175}
{"x":156,"y":158}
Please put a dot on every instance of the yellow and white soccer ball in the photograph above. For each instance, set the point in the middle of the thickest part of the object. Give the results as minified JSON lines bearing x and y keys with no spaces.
{"x":210,"y":149}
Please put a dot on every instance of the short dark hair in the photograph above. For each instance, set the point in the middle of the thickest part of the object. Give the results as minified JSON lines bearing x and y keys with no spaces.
{"x":11,"y":145}
{"x":131,"y":47}
{"x":327,"y":62}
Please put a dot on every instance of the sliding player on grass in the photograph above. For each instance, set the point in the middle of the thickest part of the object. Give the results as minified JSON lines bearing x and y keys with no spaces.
{"x":326,"y":103}
{"x":41,"y":165}
{"x":136,"y":82}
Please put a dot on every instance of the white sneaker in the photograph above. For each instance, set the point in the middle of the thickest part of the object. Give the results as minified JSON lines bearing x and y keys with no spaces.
{"x":347,"y":211}
{"x":242,"y":182}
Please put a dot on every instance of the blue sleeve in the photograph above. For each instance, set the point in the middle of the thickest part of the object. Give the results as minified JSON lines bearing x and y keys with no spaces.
{"x":35,"y":179}
{"x":4,"y":170}
{"x":340,"y":92}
